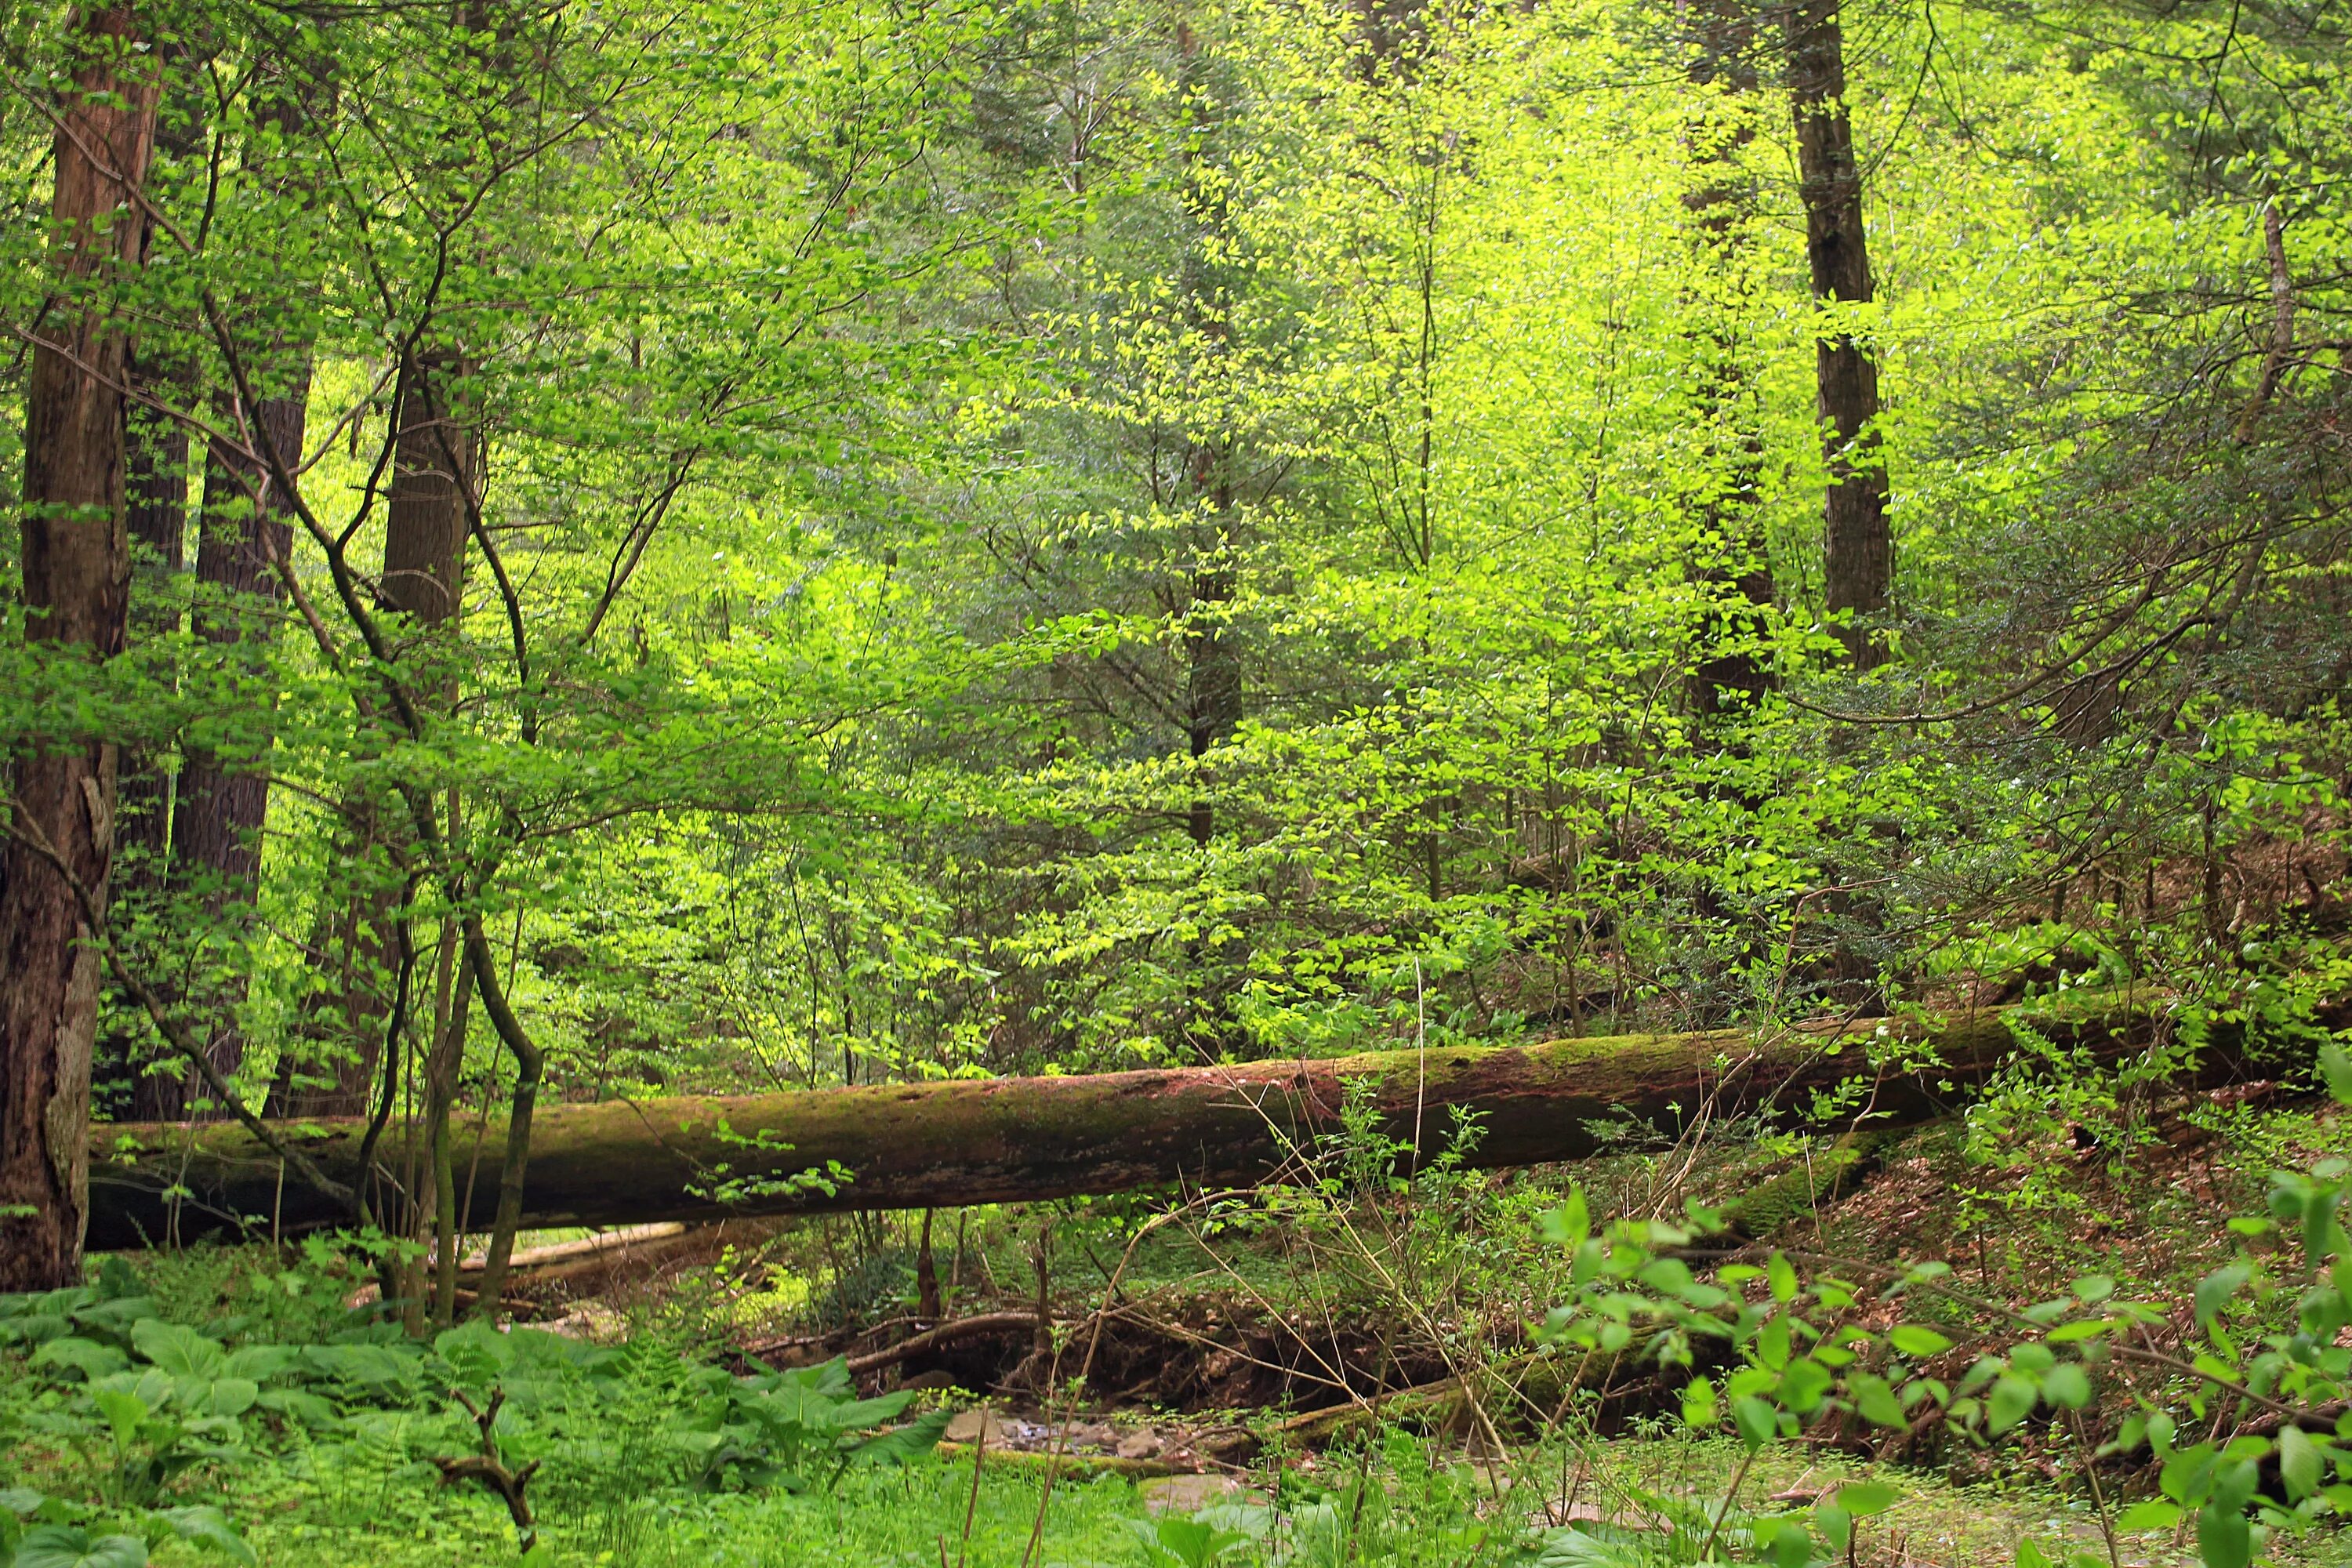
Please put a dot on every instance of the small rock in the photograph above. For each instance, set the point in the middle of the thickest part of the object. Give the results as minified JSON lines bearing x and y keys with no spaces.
{"x":1190,"y":1494}
{"x":966,"y":1426}
{"x":1143,"y":1445}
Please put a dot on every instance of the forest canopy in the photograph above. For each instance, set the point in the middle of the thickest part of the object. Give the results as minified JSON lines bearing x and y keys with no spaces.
{"x":580,"y":554}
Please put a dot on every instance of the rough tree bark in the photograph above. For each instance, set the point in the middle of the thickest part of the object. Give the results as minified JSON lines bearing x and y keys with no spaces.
{"x":1858,"y":548}
{"x":1008,"y":1139}
{"x":76,"y":565}
{"x":162,"y":371}
{"x":157,"y":509}
{"x":220,"y":809}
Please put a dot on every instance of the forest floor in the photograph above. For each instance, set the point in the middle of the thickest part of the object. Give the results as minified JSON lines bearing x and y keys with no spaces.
{"x":1286,"y":1376}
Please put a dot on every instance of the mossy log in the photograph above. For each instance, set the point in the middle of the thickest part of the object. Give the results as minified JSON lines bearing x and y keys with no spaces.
{"x":1024,"y":1139}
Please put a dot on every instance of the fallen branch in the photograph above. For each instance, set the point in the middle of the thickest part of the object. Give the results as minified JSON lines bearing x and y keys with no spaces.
{"x":586,"y":1247}
{"x":489,"y":1469}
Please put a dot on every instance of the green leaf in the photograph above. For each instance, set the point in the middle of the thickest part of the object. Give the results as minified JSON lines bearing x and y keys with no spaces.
{"x":259,"y":1362}
{"x":1912,"y":1340}
{"x":2300,"y":1465}
{"x":1569,"y":1225}
{"x":1782,"y":1275}
{"x":178,"y":1348}
{"x":207,"y":1526}
{"x":2032,"y":1556}
{"x":1758,"y":1421}
{"x":2011,"y":1402}
{"x":2154,"y":1514}
{"x":2214,"y":1291}
{"x":2066,"y":1385}
{"x":1700,"y":1409}
{"x":124,"y":1410}
{"x":901,"y":1444}
{"x":2223,"y":1540}
{"x":2337,"y":1069}
{"x":1874,"y":1400}
{"x":1864,"y":1500}
{"x":1804,"y":1386}
{"x":64,"y":1546}
{"x":2086,"y":1329}
{"x":73,"y":1354}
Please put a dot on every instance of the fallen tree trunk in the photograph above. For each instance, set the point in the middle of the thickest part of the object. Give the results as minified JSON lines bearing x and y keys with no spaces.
{"x":1024,"y":1139}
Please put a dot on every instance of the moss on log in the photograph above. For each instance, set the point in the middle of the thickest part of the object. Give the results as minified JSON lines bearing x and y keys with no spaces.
{"x":1023,"y":1139}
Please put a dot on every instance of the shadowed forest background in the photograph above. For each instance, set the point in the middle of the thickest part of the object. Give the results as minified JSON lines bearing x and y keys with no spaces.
{"x":561,"y":556}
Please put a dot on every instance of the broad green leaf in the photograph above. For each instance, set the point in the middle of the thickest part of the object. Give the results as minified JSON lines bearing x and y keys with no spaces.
{"x":2153,"y":1514}
{"x":1915,"y":1340}
{"x":1782,"y":1275}
{"x":2086,"y":1329}
{"x":1700,"y":1409}
{"x":2337,"y":1069}
{"x":1570,"y":1223}
{"x":178,"y":1348}
{"x":261,"y":1362}
{"x":1758,"y":1421}
{"x":66,"y":1546}
{"x":2300,"y":1464}
{"x":902,"y":1444}
{"x":1874,"y":1400}
{"x":2214,"y":1291}
{"x":2011,"y":1402}
{"x":73,"y":1354}
{"x":1865,"y":1498}
{"x":1804,"y":1386}
{"x":207,"y":1526}
{"x":124,"y":1411}
{"x":2066,"y":1385}
{"x":2223,"y":1538}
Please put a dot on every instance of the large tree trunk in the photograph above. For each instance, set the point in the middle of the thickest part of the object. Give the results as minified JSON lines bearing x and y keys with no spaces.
{"x":1858,"y":548}
{"x":76,"y":562}
{"x":156,"y":504}
{"x":1011,"y":1140}
{"x":162,"y":370}
{"x":219,"y":815}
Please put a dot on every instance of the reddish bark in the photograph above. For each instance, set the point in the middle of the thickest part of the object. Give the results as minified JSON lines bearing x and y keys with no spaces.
{"x":75,"y":561}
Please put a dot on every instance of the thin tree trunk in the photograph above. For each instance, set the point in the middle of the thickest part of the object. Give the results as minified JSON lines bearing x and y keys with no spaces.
{"x":1858,"y":548}
{"x":76,"y":565}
